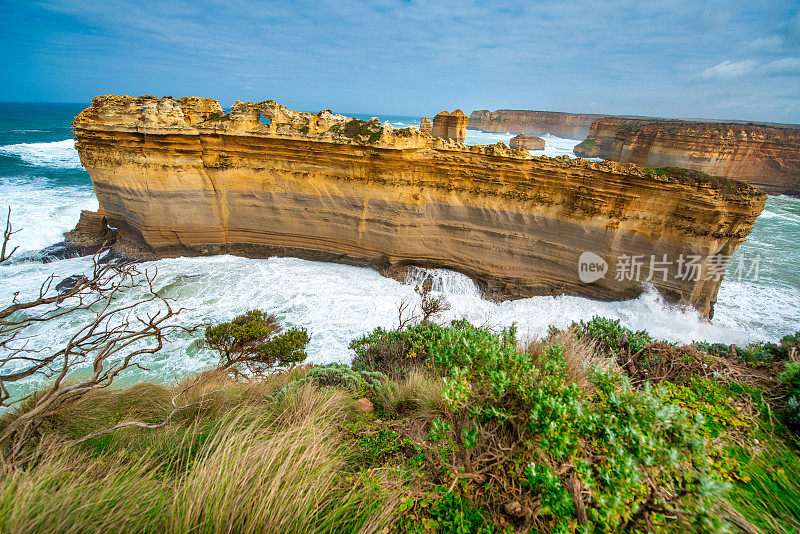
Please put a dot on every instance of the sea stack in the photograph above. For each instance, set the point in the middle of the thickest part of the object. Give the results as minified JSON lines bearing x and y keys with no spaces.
{"x":528,"y":142}
{"x":425,"y":125}
{"x":181,"y":177}
{"x":451,"y":125}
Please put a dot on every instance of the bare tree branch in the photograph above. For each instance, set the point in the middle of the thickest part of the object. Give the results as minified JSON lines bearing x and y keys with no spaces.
{"x":113,"y":339}
{"x":7,"y":233}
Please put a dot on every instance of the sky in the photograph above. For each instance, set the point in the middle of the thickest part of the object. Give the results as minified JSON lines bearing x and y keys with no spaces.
{"x":678,"y":58}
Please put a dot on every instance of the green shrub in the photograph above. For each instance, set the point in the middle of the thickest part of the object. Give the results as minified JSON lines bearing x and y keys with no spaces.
{"x":442,"y":511}
{"x":357,"y":128}
{"x":791,"y":377}
{"x":616,"y":441}
{"x":395,"y":352}
{"x":253,"y":340}
{"x":609,"y":332}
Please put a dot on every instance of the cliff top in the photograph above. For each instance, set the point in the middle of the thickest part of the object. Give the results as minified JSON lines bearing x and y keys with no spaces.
{"x":784,"y":131}
{"x":194,"y":115}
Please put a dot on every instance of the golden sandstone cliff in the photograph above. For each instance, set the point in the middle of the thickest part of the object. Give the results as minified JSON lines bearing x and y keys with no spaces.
{"x":767,"y":156}
{"x":568,"y":125}
{"x":182,"y":177}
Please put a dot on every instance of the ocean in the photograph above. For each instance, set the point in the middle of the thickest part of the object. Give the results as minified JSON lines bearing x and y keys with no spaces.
{"x":41,"y":178}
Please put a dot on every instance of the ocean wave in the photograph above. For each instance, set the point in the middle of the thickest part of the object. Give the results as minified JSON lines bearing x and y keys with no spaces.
{"x":42,"y":210}
{"x":55,"y":155}
{"x":337,"y":303}
{"x":553,"y":147}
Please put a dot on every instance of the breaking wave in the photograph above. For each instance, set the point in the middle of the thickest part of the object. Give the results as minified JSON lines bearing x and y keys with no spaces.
{"x":55,"y":155}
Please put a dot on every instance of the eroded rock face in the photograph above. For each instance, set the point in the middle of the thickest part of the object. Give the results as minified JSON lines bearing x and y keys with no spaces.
{"x":767,"y":156}
{"x":322,"y":186}
{"x":528,"y":142}
{"x":569,"y":125}
{"x":425,"y":125}
{"x":450,"y":125}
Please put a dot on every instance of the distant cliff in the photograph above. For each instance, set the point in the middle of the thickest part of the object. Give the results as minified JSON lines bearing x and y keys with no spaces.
{"x":767,"y":156}
{"x":182,"y":177}
{"x":568,"y":125}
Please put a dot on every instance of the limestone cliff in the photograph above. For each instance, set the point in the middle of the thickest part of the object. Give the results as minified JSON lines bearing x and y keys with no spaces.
{"x":767,"y":156}
{"x":181,"y":177}
{"x":568,"y":125}
{"x":425,"y":125}
{"x":528,"y":142}
{"x":450,"y":125}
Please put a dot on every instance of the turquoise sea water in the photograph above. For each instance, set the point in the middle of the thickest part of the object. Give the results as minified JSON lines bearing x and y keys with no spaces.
{"x":42,"y":180}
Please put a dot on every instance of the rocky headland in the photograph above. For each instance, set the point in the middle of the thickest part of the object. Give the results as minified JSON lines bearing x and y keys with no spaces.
{"x":764,"y":155}
{"x":183,"y":177}
{"x":528,"y":142}
{"x":568,"y":125}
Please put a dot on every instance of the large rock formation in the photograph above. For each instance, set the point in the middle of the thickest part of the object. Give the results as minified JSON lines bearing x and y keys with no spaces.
{"x":528,"y":142}
{"x":568,"y":125}
{"x":767,"y":156}
{"x":450,"y":125}
{"x":425,"y":125}
{"x":181,"y":177}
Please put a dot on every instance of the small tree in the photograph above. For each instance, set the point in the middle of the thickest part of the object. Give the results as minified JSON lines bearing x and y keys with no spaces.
{"x":253,"y":339}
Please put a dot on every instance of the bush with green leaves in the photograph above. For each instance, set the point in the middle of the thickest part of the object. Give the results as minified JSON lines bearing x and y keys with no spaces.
{"x":756,"y":354}
{"x":254,"y":340}
{"x":791,"y":377}
{"x":395,"y":352}
{"x":607,"y":458}
{"x":608,"y":333}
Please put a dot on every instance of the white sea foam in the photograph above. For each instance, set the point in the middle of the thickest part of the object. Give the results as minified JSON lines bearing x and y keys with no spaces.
{"x":56,"y":155}
{"x":42,"y":210}
{"x":337,"y":303}
{"x":553,"y":146}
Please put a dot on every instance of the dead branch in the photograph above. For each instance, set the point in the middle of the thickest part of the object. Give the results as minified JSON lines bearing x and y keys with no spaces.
{"x":7,"y":233}
{"x":113,"y":339}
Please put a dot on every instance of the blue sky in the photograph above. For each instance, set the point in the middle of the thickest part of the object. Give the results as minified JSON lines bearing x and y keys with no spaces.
{"x":737,"y":60}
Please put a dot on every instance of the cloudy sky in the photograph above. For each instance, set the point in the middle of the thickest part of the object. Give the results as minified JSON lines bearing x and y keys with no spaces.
{"x":731,"y":59}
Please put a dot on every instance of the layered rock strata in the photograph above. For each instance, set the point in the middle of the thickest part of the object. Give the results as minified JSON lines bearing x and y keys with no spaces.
{"x":528,"y":142}
{"x":568,"y":125}
{"x":182,"y":177}
{"x":450,"y":125}
{"x":767,"y":156}
{"x":425,"y":125}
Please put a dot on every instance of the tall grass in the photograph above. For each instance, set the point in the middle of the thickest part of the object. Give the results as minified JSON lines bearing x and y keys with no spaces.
{"x":241,"y":463}
{"x":770,"y":499}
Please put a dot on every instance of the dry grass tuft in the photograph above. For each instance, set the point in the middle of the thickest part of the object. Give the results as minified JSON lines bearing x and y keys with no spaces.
{"x":579,"y":354}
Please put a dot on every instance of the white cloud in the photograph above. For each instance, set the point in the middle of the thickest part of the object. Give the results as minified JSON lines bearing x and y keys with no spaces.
{"x":787,"y":65}
{"x":772,"y":43}
{"x":727,"y":70}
